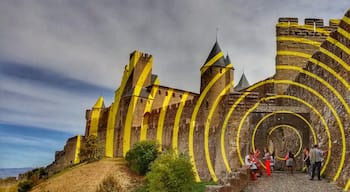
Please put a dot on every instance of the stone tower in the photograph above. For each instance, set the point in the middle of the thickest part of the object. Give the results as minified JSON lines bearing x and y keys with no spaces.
{"x":216,"y":80}
{"x":296,"y":44}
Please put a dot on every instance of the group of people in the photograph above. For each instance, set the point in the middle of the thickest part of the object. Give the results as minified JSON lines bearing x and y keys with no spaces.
{"x":312,"y":158}
{"x":255,"y":166}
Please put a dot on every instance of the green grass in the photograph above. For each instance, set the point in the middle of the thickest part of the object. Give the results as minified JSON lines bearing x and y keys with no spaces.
{"x":12,"y":188}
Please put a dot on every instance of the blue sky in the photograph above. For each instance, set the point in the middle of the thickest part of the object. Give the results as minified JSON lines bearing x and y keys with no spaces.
{"x":58,"y":57}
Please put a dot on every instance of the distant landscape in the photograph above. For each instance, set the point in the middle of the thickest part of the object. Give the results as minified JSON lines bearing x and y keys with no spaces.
{"x":13,"y":172}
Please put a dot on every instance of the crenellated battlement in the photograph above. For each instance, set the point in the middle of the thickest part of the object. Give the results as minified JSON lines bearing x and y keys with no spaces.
{"x":292,"y":21}
{"x":145,"y":56}
{"x":288,"y":20}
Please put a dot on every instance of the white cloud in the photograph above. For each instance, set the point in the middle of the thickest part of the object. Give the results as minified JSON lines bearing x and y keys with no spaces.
{"x":91,"y":41}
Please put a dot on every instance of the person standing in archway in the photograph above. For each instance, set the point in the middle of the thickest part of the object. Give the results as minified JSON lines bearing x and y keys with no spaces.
{"x":316,"y":157}
{"x":257,"y":162}
{"x":290,"y":161}
{"x":267,"y":158}
{"x":306,"y":160}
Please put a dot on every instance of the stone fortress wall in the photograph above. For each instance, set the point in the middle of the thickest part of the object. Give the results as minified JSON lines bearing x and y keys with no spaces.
{"x":305,"y":102}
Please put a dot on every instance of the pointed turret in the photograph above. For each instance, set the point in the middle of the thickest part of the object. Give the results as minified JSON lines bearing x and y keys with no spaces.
{"x":227,"y":60}
{"x":99,"y":103}
{"x":243,"y":83}
{"x":95,"y":115}
{"x":216,"y":58}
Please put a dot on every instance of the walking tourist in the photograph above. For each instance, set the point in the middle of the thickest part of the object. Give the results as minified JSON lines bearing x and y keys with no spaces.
{"x":267,"y":158}
{"x":251,"y":167}
{"x":257,"y":162}
{"x":306,"y":160}
{"x":290,"y":161}
{"x":272,"y":161}
{"x":316,"y":157}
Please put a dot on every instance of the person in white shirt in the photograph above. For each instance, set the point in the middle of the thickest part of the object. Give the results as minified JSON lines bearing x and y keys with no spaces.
{"x":251,"y":165}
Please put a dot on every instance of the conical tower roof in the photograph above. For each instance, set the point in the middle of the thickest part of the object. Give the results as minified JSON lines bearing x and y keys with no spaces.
{"x":227,"y":60}
{"x":99,"y":103}
{"x":243,"y":83}
{"x":215,"y":58}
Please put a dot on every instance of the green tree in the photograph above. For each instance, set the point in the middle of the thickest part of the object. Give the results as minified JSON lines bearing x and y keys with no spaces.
{"x":91,"y":150}
{"x":171,"y":173}
{"x":141,"y":155}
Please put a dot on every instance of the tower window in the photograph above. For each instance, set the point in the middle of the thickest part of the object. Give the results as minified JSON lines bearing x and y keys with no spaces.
{"x":159,"y":92}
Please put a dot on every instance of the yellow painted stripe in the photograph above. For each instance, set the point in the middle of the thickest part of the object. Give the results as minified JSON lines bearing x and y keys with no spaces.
{"x":347,"y":187}
{"x":298,"y":40}
{"x":344,"y":33}
{"x":341,"y":99}
{"x":338,"y":44}
{"x":162,"y":117}
{"x":194,"y":116}
{"x":323,"y":50}
{"x":335,"y":21}
{"x":346,"y":19}
{"x":151,"y":97}
{"x":112,"y":116}
{"x":177,"y":122}
{"x":278,"y":112}
{"x":336,"y":58}
{"x":316,"y":62}
{"x":239,"y":100}
{"x":293,"y":53}
{"x":95,"y":116}
{"x":110,"y":130}
{"x":212,"y":61}
{"x":306,"y":27}
{"x":330,"y":70}
{"x":279,"y":126}
{"x":77,"y":150}
{"x":131,"y":108}
{"x":296,"y":131}
{"x":288,"y":97}
{"x":207,"y":126}
{"x":328,"y":133}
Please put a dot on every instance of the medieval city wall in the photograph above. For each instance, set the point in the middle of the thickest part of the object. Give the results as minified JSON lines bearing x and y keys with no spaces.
{"x":327,"y":73}
{"x":305,"y":102}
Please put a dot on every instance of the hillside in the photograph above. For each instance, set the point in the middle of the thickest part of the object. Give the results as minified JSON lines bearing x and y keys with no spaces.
{"x":87,"y":177}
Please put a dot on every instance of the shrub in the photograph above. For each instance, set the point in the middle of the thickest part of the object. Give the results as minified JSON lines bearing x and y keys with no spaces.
{"x":141,"y":155}
{"x":109,"y":184}
{"x":25,"y":186}
{"x":171,"y":173}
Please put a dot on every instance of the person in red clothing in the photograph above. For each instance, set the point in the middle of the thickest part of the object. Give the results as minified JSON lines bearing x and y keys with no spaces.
{"x":267,"y":158}
{"x":257,"y":162}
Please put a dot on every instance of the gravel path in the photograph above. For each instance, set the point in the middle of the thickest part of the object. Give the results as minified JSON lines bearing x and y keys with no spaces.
{"x":298,"y":182}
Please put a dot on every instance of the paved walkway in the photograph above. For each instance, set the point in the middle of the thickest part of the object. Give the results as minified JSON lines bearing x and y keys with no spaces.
{"x":298,"y":182}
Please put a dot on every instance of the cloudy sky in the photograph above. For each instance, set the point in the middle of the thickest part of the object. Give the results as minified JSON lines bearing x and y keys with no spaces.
{"x":57,"y":57}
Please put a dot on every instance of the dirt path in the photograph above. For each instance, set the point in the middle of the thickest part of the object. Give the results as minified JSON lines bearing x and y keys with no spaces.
{"x":87,"y":177}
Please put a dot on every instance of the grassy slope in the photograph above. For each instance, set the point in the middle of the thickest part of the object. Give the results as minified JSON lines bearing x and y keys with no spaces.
{"x":10,"y":188}
{"x":87,"y":177}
